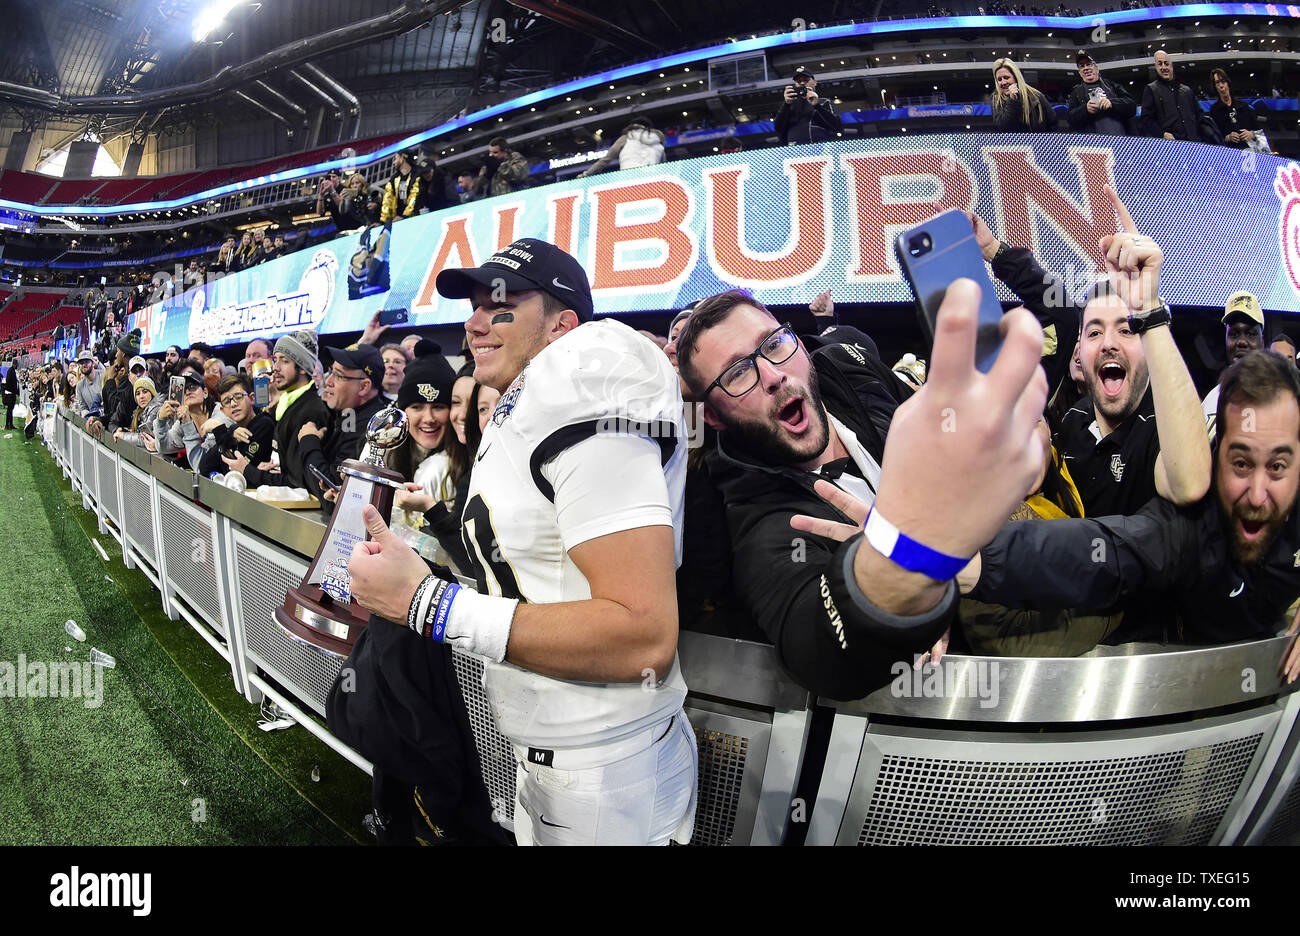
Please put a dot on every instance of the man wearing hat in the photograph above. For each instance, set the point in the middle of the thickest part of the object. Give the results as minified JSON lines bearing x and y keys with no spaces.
{"x":573,"y":524}
{"x":1097,"y":105}
{"x":805,"y":117}
{"x":90,"y":394}
{"x":1243,"y":331}
{"x":124,"y":406}
{"x":116,"y":386}
{"x":352,"y":394}
{"x":294,"y":362}
{"x":402,"y":193}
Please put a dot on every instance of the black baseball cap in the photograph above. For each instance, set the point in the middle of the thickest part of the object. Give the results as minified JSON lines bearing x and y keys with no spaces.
{"x":1082,"y":58}
{"x":364,"y":357}
{"x":526,"y":264}
{"x":802,"y":72}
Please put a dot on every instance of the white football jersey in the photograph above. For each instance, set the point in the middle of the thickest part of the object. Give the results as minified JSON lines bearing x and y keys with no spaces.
{"x":602,"y":378}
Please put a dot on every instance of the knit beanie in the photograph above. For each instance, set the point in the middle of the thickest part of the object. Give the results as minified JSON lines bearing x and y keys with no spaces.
{"x":299,"y":347}
{"x":144,"y":382}
{"x":428,"y":378}
{"x":129,"y":344}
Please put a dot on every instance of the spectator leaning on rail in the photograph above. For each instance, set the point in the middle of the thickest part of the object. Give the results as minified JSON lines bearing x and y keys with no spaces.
{"x":139,"y":431}
{"x":839,"y":615}
{"x":1097,"y":105}
{"x":298,"y":404}
{"x":1243,"y":332}
{"x":242,"y":431}
{"x":90,"y":396}
{"x":503,"y":171}
{"x":402,"y":192}
{"x":1141,"y":433}
{"x":1220,"y":570}
{"x":1170,"y":109}
{"x":805,"y":117}
{"x":352,"y":394}
{"x":1018,"y":106}
{"x":1235,"y":120}
{"x":639,"y":145}
{"x":124,"y":408}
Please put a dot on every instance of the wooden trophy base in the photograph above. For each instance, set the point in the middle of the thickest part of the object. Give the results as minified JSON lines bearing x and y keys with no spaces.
{"x":313,"y":615}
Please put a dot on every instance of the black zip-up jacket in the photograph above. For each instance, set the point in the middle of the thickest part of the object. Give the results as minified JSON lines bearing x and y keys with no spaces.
{"x":1122,"y":109}
{"x":801,"y":122}
{"x":307,"y":408}
{"x":799,"y":588}
{"x":1170,"y":107}
{"x":1169,"y":568}
{"x":257,"y":449}
{"x":338,"y":445}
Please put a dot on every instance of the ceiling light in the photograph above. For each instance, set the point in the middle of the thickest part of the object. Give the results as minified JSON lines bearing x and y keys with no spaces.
{"x":210,"y":18}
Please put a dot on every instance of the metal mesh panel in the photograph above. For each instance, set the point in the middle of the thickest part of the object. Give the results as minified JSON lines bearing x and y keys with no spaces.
{"x":722,"y":758}
{"x":137,"y":516}
{"x":1285,"y":827}
{"x":108,"y":492}
{"x":191,"y":563}
{"x":495,"y":754}
{"x":89,"y":472}
{"x":264,"y":575}
{"x":1169,"y":798}
{"x":74,"y":454}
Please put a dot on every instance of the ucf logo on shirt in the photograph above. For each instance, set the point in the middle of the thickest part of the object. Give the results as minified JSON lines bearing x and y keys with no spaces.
{"x":1117,"y":468}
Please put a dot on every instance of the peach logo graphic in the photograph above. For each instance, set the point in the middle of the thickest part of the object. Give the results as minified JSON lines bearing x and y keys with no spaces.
{"x":1287,"y":184}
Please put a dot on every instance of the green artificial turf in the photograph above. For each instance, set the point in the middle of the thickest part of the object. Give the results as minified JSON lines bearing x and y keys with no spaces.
{"x":173,"y":754}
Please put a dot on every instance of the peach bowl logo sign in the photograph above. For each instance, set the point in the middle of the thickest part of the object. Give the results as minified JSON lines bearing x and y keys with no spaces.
{"x":1287,"y":184}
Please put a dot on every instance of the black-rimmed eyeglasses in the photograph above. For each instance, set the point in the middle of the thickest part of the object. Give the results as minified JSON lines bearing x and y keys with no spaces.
{"x":742,"y":376}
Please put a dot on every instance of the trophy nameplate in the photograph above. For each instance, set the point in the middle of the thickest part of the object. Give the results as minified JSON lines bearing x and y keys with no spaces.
{"x":321,"y":610}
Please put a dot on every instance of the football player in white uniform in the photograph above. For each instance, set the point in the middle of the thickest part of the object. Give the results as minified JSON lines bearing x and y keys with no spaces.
{"x":573,"y":523}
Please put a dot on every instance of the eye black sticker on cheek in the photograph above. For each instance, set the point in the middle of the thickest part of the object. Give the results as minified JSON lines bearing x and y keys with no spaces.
{"x":503,"y":318}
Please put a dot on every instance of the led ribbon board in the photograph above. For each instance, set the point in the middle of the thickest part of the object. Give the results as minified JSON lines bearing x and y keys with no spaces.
{"x":797,"y":36}
{"x":790,"y":222}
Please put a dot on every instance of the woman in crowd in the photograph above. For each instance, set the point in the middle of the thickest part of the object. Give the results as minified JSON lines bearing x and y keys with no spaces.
{"x":405,"y":712}
{"x":180,"y":430}
{"x":1017,"y":106}
{"x":147,"y":405}
{"x":1233,"y":118}
{"x":461,"y":391}
{"x":244,"y":253}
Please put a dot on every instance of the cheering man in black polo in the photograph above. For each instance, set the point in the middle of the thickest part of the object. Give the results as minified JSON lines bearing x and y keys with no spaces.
{"x":1140,"y":433}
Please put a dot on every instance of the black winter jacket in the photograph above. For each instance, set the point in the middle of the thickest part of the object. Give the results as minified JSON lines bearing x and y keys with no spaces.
{"x":307,"y":408}
{"x":257,"y":449}
{"x":340,"y":443}
{"x":1112,"y":122}
{"x":801,"y":122}
{"x":1169,"y":568}
{"x":1170,"y":107}
{"x":787,"y":580}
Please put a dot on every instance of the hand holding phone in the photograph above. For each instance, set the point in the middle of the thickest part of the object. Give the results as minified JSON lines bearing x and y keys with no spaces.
{"x":389,"y":317}
{"x":934,"y":254}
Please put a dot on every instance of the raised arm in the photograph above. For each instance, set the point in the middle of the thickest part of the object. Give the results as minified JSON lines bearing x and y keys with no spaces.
{"x":1182,"y":471}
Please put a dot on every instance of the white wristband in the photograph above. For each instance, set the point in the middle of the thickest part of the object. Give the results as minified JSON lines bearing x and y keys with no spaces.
{"x":480,"y":624}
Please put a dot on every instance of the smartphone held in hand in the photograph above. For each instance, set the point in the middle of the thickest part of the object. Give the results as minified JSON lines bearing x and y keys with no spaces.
{"x":934,"y":254}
